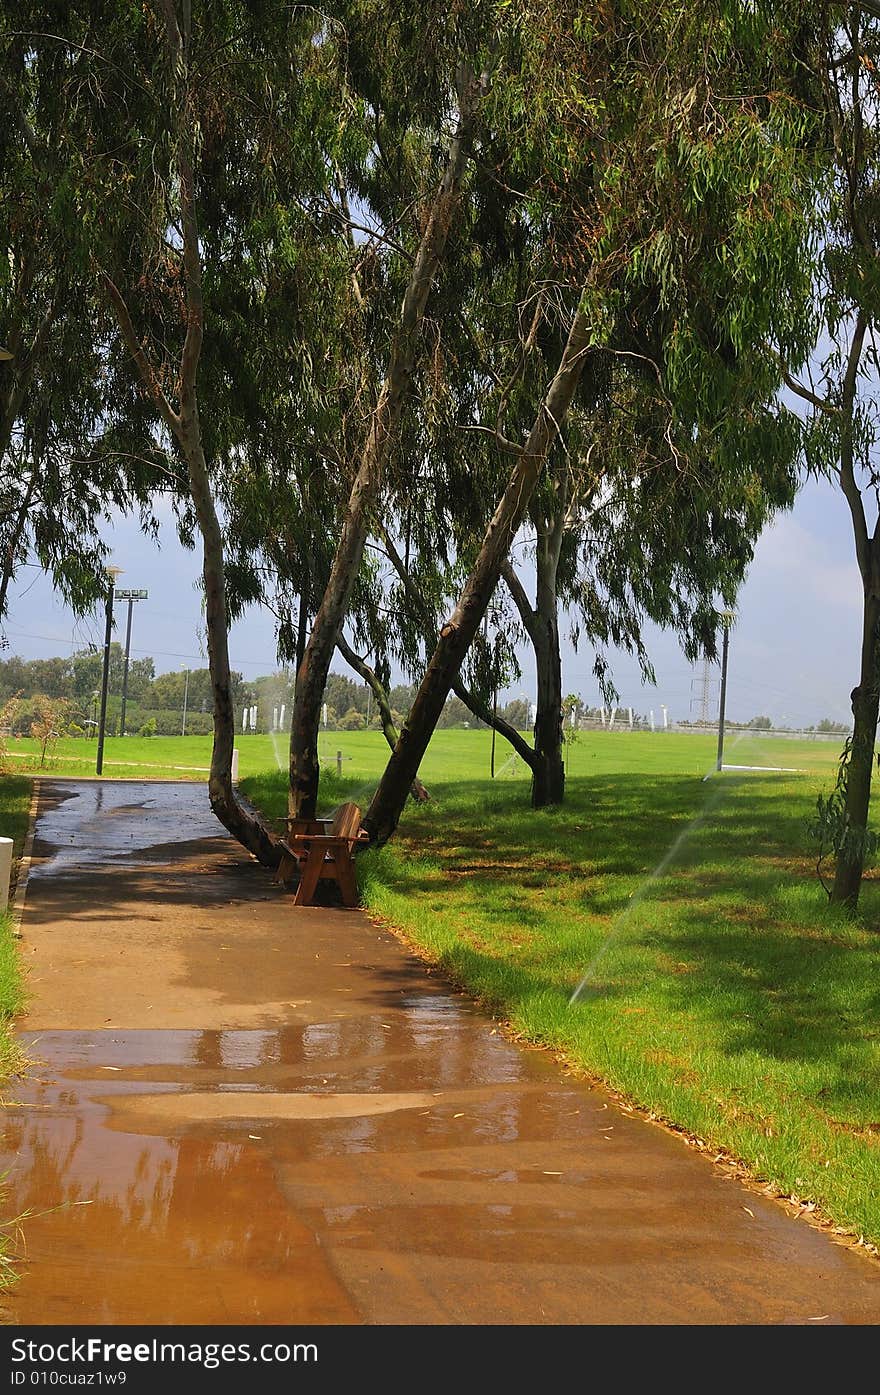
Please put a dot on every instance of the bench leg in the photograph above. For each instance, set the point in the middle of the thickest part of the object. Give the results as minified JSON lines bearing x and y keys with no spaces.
{"x":346,"y":878}
{"x":286,"y":868}
{"x":309,"y":877}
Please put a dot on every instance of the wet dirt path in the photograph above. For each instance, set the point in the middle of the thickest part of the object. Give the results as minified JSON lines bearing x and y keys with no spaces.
{"x":245,"y":1112}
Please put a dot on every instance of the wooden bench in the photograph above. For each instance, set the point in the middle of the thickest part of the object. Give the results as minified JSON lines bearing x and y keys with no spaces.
{"x":321,"y":850}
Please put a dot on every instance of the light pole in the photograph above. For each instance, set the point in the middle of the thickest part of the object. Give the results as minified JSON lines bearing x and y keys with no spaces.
{"x":131,"y":597}
{"x":726,"y":621}
{"x":112,"y":573}
{"x":185,"y":695}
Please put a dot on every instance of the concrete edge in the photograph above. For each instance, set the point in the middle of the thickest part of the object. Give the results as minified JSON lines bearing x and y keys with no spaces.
{"x":24,"y":865}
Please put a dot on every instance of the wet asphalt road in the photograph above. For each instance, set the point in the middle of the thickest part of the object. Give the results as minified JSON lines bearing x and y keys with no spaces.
{"x":245,"y":1112}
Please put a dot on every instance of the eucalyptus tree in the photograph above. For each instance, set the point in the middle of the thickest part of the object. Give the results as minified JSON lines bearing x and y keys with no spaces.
{"x":198,"y":139}
{"x":59,"y":478}
{"x":664,"y":181}
{"x":388,"y":401}
{"x":836,"y":391}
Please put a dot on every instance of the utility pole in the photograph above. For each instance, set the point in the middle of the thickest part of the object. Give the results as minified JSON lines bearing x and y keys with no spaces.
{"x":112,"y":573}
{"x":131,"y":597}
{"x":185,"y":696}
{"x":726,"y":621}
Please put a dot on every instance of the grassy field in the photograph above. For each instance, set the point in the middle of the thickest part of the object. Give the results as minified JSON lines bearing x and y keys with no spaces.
{"x":717,"y":989}
{"x":452,"y":755}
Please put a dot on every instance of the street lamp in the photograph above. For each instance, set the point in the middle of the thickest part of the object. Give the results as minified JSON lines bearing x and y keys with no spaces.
{"x":185,"y":695}
{"x":112,"y":573}
{"x":727,"y":618}
{"x":131,"y":597}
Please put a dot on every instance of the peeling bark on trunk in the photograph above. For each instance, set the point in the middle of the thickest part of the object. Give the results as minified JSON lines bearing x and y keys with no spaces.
{"x":389,"y":730}
{"x":456,"y":636}
{"x":312,"y":674}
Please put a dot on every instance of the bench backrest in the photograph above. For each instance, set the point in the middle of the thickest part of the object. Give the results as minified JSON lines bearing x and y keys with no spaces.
{"x":346,"y":821}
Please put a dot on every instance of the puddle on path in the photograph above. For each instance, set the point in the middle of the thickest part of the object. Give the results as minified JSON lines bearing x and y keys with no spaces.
{"x":90,"y":823}
{"x":285,"y":1176}
{"x":160,"y":1166}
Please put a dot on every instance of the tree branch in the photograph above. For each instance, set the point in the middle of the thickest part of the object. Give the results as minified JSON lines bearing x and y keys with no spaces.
{"x":142,"y":363}
{"x":527,"y":612}
{"x":851,"y":491}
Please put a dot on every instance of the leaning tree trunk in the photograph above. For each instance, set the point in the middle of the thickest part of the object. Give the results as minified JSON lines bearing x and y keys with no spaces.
{"x":386,"y":716}
{"x":312,"y":674}
{"x":457,"y":635}
{"x":865,"y":706}
{"x":472,"y":701}
{"x":249,"y":831}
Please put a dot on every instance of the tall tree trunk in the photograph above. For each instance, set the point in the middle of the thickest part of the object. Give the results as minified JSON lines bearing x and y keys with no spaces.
{"x":249,"y":831}
{"x":312,"y":674}
{"x":865,"y":708}
{"x":185,"y":426}
{"x":548,"y":783}
{"x":389,"y":730}
{"x":851,"y":858}
{"x":541,"y":623}
{"x":457,"y":635}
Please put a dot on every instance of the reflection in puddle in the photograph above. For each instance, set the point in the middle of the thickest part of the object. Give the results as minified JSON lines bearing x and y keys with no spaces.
{"x":143,"y":1151}
{"x":88,"y":824}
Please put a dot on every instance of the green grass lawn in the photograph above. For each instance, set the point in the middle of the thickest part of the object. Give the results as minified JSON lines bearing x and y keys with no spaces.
{"x":719,"y":990}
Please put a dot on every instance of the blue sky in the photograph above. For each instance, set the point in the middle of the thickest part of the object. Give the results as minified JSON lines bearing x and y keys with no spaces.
{"x":793,"y":655}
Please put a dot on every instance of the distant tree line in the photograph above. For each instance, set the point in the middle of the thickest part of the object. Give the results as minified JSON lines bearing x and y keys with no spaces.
{"x":155,"y":702}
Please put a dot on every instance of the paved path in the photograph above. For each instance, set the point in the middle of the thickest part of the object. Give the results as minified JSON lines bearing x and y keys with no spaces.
{"x":243,"y":1112}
